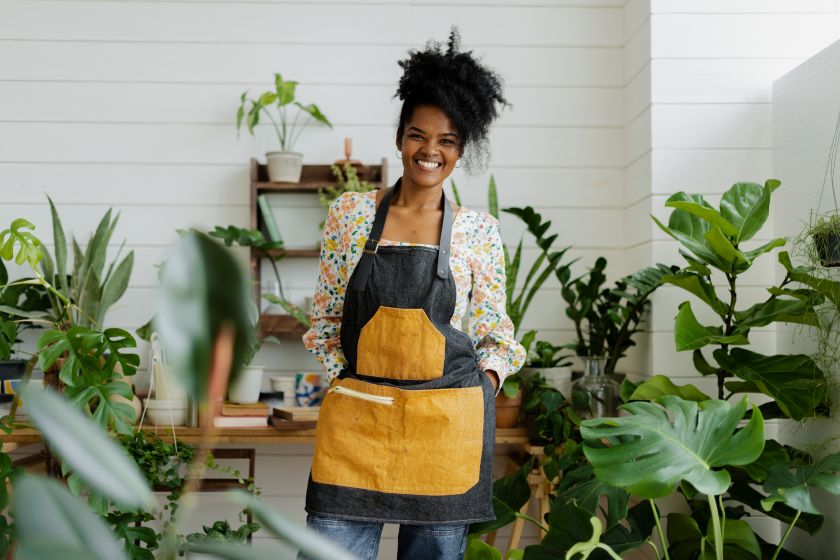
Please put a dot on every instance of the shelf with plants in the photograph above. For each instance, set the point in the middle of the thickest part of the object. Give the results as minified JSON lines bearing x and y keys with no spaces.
{"x":328,"y":184}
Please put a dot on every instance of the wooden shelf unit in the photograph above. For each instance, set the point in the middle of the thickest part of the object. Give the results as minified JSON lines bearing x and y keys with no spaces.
{"x":313,"y":178}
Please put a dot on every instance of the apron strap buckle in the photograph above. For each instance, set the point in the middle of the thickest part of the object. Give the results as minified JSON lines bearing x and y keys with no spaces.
{"x":371,"y":246}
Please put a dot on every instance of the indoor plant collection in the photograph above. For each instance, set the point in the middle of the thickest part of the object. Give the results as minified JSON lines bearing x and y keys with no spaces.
{"x":660,"y":448}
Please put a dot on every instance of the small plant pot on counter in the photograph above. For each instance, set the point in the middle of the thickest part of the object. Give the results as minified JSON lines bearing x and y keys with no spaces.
{"x":284,"y":166}
{"x":166,"y":413}
{"x":508,"y":409}
{"x":246,"y":388}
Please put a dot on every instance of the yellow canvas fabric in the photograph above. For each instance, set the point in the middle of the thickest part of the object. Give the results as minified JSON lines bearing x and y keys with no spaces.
{"x":401,"y":344}
{"x":428,"y":442}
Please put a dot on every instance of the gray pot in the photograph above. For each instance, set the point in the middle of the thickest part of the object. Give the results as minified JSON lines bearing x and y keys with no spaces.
{"x":284,"y":166}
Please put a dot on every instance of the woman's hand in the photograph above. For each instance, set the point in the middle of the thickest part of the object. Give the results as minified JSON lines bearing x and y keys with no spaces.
{"x":494,"y":378}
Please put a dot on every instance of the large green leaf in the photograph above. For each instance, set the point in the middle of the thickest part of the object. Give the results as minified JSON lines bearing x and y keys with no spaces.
{"x":791,"y":486}
{"x":689,"y":229}
{"x":658,"y":386}
{"x":706,"y":213}
{"x":480,"y":550}
{"x":744,"y":492}
{"x":582,"y":486}
{"x":53,"y":525}
{"x":510,"y":493}
{"x":203,"y":289}
{"x":700,"y":286}
{"x":115,"y":286}
{"x":312,"y":543}
{"x":824,"y":286}
{"x":650,"y":454}
{"x":735,"y":260}
{"x":766,"y":247}
{"x":90,"y":453}
{"x":687,"y":539}
{"x":775,"y":309}
{"x":689,"y":334}
{"x":746,"y":206}
{"x":794,"y":381}
{"x":60,"y":249}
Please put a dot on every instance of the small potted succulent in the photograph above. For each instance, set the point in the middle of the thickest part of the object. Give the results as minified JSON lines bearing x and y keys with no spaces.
{"x":825,"y":235}
{"x":285,"y":165}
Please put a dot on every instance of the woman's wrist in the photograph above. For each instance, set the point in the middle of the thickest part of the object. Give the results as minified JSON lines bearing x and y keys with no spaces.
{"x":494,"y":378}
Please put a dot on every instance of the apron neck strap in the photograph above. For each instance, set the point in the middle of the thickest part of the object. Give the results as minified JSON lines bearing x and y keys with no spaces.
{"x":372,"y":243}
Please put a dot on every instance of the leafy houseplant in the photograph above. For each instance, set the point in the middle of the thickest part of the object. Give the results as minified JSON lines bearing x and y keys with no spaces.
{"x":347,"y":180}
{"x":825,"y":239}
{"x":284,"y":165}
{"x":607,"y":318}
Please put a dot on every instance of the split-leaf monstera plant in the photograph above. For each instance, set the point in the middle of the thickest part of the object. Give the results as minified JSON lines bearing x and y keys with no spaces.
{"x":682,"y":440}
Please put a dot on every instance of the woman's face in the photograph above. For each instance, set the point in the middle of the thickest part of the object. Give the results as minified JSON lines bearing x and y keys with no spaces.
{"x":430,"y":147}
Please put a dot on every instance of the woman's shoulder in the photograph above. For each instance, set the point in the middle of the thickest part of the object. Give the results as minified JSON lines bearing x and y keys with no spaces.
{"x":476,"y":221}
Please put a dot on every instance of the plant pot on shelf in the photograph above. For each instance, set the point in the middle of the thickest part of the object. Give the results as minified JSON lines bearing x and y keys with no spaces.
{"x":828,"y":249}
{"x":246,"y":388}
{"x":284,"y":166}
{"x":508,"y":409}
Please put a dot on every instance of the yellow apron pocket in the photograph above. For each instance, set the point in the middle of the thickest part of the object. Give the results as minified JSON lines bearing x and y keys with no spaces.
{"x":424,"y":442}
{"x":400,"y":344}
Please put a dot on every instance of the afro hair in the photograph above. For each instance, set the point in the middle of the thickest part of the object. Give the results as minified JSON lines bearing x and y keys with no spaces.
{"x":464,"y":89}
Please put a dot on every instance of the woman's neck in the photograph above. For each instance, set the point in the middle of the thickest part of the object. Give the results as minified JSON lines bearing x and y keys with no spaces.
{"x":415,"y":197}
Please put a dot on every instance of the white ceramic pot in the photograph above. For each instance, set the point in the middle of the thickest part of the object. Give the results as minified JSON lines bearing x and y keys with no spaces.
{"x":286,"y":385}
{"x":166,"y":386}
{"x":246,"y":388}
{"x":166,"y":413}
{"x":284,"y":166}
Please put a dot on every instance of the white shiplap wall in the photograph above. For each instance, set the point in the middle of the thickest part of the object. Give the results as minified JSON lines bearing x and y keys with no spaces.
{"x":131,"y":105}
{"x":708,"y":125}
{"x":806,"y":102}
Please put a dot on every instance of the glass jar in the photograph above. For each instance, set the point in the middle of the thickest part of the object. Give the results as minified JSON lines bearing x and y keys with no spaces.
{"x":595,"y":395}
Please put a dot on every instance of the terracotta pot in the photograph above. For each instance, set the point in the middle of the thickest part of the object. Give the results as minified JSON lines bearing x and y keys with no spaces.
{"x":507,"y":410}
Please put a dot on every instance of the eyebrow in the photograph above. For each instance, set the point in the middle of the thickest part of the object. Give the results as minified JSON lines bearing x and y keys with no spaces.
{"x":424,"y":132}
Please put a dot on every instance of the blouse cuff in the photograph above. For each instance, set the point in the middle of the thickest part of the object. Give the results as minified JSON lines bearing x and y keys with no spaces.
{"x":496,"y":364}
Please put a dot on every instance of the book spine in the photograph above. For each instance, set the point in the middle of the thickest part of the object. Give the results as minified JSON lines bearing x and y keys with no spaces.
{"x":268,"y":219}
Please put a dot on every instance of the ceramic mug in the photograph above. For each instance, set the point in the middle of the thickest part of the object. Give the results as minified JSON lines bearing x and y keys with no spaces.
{"x":308,"y":388}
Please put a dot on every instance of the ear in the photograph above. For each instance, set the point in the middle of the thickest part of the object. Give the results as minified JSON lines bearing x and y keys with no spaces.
{"x":399,"y":142}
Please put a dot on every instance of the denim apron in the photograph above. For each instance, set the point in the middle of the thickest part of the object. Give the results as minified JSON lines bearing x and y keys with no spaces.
{"x":406,"y":432}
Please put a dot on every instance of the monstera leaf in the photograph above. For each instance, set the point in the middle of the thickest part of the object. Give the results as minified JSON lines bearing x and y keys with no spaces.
{"x":649,"y":453}
{"x":581,"y":484}
{"x":792,"y":486}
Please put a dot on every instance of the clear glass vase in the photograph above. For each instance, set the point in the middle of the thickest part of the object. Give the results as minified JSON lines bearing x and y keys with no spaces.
{"x":595,"y":395}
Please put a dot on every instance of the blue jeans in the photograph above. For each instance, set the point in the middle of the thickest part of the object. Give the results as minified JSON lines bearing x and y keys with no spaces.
{"x":415,"y":542}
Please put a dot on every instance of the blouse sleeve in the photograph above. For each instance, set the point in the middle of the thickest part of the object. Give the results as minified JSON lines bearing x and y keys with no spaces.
{"x":323,"y":337}
{"x":490,"y":327}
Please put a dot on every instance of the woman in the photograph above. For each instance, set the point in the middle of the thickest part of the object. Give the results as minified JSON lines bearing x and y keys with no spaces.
{"x":407,"y":428}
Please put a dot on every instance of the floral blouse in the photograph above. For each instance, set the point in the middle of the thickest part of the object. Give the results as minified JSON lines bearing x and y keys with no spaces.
{"x":477,"y":263}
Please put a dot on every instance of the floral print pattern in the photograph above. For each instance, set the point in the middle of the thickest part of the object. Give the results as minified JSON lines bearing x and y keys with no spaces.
{"x":478,"y":267}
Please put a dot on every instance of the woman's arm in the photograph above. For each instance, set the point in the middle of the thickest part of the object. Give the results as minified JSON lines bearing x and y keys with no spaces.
{"x":489,"y":324}
{"x":323,"y":338}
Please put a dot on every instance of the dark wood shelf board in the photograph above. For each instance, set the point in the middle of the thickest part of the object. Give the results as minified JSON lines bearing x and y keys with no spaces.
{"x":281,"y":326}
{"x":287,"y":253}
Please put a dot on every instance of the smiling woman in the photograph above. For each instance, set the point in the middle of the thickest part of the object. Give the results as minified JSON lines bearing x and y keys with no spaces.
{"x":406,"y":432}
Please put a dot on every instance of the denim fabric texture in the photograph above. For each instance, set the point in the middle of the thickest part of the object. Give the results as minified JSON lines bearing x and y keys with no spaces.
{"x":407,"y":277}
{"x":414,"y":542}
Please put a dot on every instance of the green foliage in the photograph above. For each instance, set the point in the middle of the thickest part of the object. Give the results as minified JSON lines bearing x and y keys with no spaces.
{"x":29,"y":247}
{"x":282,"y":96}
{"x":547,"y":263}
{"x":95,"y":458}
{"x":233,"y":235}
{"x":791,"y":484}
{"x":545,"y":354}
{"x":658,"y":386}
{"x":204,"y":291}
{"x":649,"y":454}
{"x":89,"y":375}
{"x":607,"y":318}
{"x":221,"y":531}
{"x":510,"y":493}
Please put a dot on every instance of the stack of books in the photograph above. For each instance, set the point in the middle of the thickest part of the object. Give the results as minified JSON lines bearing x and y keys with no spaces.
{"x":242,"y":415}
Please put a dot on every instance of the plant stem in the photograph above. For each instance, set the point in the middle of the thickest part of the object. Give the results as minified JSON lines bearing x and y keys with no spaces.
{"x":787,"y":533}
{"x":662,"y":540}
{"x":532,"y":520}
{"x":716,"y":527}
{"x":277,"y":129}
{"x":733,"y":298}
{"x":609,"y":551}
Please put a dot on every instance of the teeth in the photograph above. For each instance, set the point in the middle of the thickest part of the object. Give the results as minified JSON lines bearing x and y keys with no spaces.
{"x":427,"y":164}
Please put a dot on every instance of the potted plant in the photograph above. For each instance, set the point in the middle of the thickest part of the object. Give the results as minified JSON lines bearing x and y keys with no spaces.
{"x":285,"y":165}
{"x":823,"y":243}
{"x":347,"y":180}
